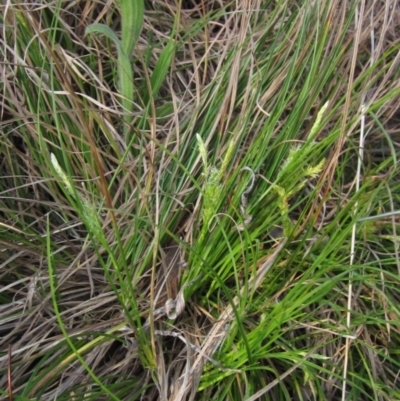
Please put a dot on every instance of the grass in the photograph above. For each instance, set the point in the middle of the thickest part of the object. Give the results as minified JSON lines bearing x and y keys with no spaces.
{"x":199,"y":201}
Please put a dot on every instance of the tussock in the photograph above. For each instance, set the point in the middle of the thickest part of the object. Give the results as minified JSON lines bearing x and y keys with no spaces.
{"x":183,"y":216}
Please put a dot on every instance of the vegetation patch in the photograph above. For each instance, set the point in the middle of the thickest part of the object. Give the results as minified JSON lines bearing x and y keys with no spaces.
{"x":199,"y":200}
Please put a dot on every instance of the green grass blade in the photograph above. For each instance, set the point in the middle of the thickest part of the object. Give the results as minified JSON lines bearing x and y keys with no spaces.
{"x":102,"y":29}
{"x":162,"y":67}
{"x":132,"y":16}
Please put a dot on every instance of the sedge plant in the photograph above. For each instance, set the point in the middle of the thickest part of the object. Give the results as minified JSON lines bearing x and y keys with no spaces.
{"x":94,"y":237}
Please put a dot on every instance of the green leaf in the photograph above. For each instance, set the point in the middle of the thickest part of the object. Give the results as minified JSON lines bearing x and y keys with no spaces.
{"x":125,"y":72}
{"x":162,"y":67}
{"x":125,"y":84}
{"x":132,"y":16}
{"x":106,"y":31}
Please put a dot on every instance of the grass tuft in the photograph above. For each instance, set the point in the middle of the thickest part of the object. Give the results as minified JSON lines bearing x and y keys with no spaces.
{"x":199,"y":200}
